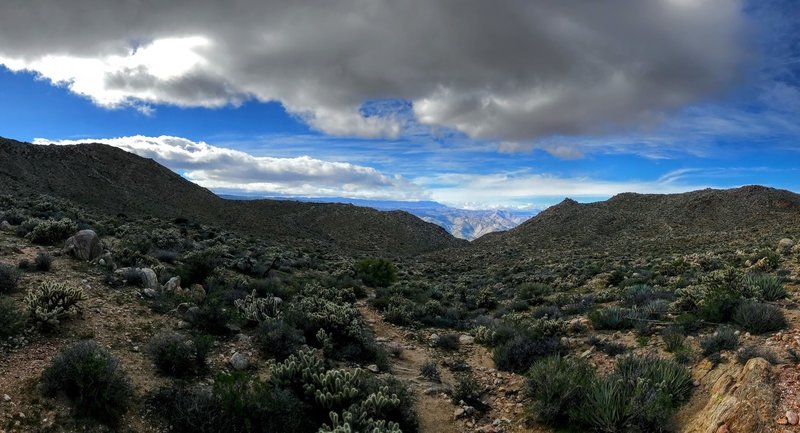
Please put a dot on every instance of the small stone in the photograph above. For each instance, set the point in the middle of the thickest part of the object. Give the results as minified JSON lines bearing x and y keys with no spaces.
{"x":792,"y":417}
{"x":6,"y":397}
{"x":150,"y":293}
{"x":466,"y":339}
{"x":459,"y":413}
{"x":135,"y":348}
{"x":696,"y":383}
{"x":373,"y":368}
{"x":101,"y":262}
{"x":239,"y":362}
{"x":723,"y":429}
{"x":782,"y":420}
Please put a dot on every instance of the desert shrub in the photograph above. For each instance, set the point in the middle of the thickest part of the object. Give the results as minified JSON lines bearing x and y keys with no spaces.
{"x":724,"y":338}
{"x":24,"y":265}
{"x":9,"y":278}
{"x":768,"y":287}
{"x":611,"y":318}
{"x":92,"y":379}
{"x":376,"y":272}
{"x":752,"y":351}
{"x":197,"y":266}
{"x":520,"y":352}
{"x":447,"y":342}
{"x":43,"y":262}
{"x":759,"y":318}
{"x":532,"y":292}
{"x":430,"y":371}
{"x":655,"y":310}
{"x":546,"y":312}
{"x":235,"y":404}
{"x":673,"y":339}
{"x":556,"y":384}
{"x":610,"y":348}
{"x":277,"y":338}
{"x":175,"y":354}
{"x":11,"y":319}
{"x":468,"y":390}
{"x":14,"y":216}
{"x":640,"y":395}
{"x":50,"y":232}
{"x":50,"y":303}
{"x":642,"y":294}
{"x":213,"y":316}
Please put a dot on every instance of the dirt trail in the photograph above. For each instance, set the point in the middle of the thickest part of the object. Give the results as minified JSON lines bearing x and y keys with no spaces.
{"x":435,"y":411}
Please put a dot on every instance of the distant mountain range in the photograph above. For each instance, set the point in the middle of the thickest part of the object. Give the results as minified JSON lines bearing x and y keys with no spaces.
{"x":462,"y":223}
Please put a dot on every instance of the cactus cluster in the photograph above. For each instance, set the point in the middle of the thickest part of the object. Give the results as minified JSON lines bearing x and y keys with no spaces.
{"x":258,"y":309}
{"x":52,"y":302}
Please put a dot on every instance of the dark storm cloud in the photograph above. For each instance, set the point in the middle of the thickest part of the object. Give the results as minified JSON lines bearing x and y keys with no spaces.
{"x":498,"y":70}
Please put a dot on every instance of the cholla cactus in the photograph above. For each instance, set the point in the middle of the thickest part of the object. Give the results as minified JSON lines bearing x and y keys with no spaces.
{"x":334,"y":388}
{"x":52,"y":302}
{"x":483,"y":334}
{"x":325,"y":340}
{"x":361,"y":417}
{"x":259,"y":309}
{"x":297,"y":368}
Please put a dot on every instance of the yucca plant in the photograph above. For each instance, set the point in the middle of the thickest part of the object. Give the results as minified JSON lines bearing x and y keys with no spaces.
{"x":767,"y":286}
{"x":759,"y":318}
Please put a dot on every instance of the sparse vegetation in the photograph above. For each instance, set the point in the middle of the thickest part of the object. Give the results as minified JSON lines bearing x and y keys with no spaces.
{"x":759,"y":318}
{"x":176,"y":354}
{"x":9,"y":278}
{"x":43,"y":262}
{"x":724,"y":338}
{"x":11,"y":318}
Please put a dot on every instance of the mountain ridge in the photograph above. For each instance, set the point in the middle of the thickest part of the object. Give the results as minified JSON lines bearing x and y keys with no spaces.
{"x":109,"y":179}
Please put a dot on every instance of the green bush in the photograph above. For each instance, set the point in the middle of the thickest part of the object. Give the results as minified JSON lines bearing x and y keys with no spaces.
{"x":468,"y":390}
{"x":11,"y":319}
{"x":724,"y":339}
{"x":50,"y":303}
{"x":92,"y":379}
{"x":376,"y":272}
{"x":9,"y":278}
{"x":50,"y":232}
{"x":613,"y":318}
{"x":43,"y":262}
{"x":430,"y":371}
{"x":235,"y":404}
{"x":642,"y":294}
{"x":520,"y":352}
{"x":278,"y":339}
{"x":556,"y":384}
{"x":759,"y":318}
{"x":447,"y":342}
{"x":752,"y":351}
{"x":640,"y":395}
{"x":673,"y":339}
{"x":610,"y":348}
{"x":176,"y":354}
{"x":767,"y":286}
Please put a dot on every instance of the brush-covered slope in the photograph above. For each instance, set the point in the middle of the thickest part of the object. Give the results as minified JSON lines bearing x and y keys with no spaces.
{"x":113,"y":181}
{"x":668,"y":222}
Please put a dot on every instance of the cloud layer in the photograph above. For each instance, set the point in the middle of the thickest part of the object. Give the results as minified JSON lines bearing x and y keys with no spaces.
{"x":510,"y":71}
{"x":223,"y":169}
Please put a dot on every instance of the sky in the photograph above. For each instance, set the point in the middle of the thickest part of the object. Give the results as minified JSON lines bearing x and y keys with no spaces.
{"x":476,"y":104}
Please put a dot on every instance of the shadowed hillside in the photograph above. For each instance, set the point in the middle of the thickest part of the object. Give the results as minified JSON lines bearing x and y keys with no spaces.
{"x":113,"y":181}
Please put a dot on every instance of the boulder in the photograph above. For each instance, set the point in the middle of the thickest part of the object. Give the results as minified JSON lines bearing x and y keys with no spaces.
{"x":239,"y":362}
{"x":149,"y":279}
{"x":466,"y":339}
{"x":6,"y":227}
{"x":85,"y":245}
{"x":172,"y":285}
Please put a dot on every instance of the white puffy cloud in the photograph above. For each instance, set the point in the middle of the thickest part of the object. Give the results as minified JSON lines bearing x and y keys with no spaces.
{"x":512,"y":70}
{"x":229,"y":170}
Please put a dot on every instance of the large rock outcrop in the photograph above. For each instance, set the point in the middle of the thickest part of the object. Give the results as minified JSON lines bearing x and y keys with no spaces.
{"x":740,"y":401}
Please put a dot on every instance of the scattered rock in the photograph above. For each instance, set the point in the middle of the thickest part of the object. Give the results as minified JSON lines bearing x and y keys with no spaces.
{"x":150,"y":279}
{"x":723,"y":429}
{"x":792,"y":417}
{"x":85,"y":245}
{"x":172,"y":285}
{"x":434,"y":390}
{"x":785,"y":245}
{"x":459,"y":413}
{"x":239,"y":362}
{"x":6,"y":397}
{"x":150,"y":293}
{"x":6,"y":227}
{"x":434,"y":339}
{"x":373,"y":368}
{"x":466,"y":339}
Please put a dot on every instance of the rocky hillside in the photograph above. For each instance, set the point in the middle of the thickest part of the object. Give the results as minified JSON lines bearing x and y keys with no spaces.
{"x":113,"y":181}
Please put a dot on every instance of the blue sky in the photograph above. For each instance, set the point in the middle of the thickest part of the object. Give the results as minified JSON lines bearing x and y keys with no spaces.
{"x":706,"y":95}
